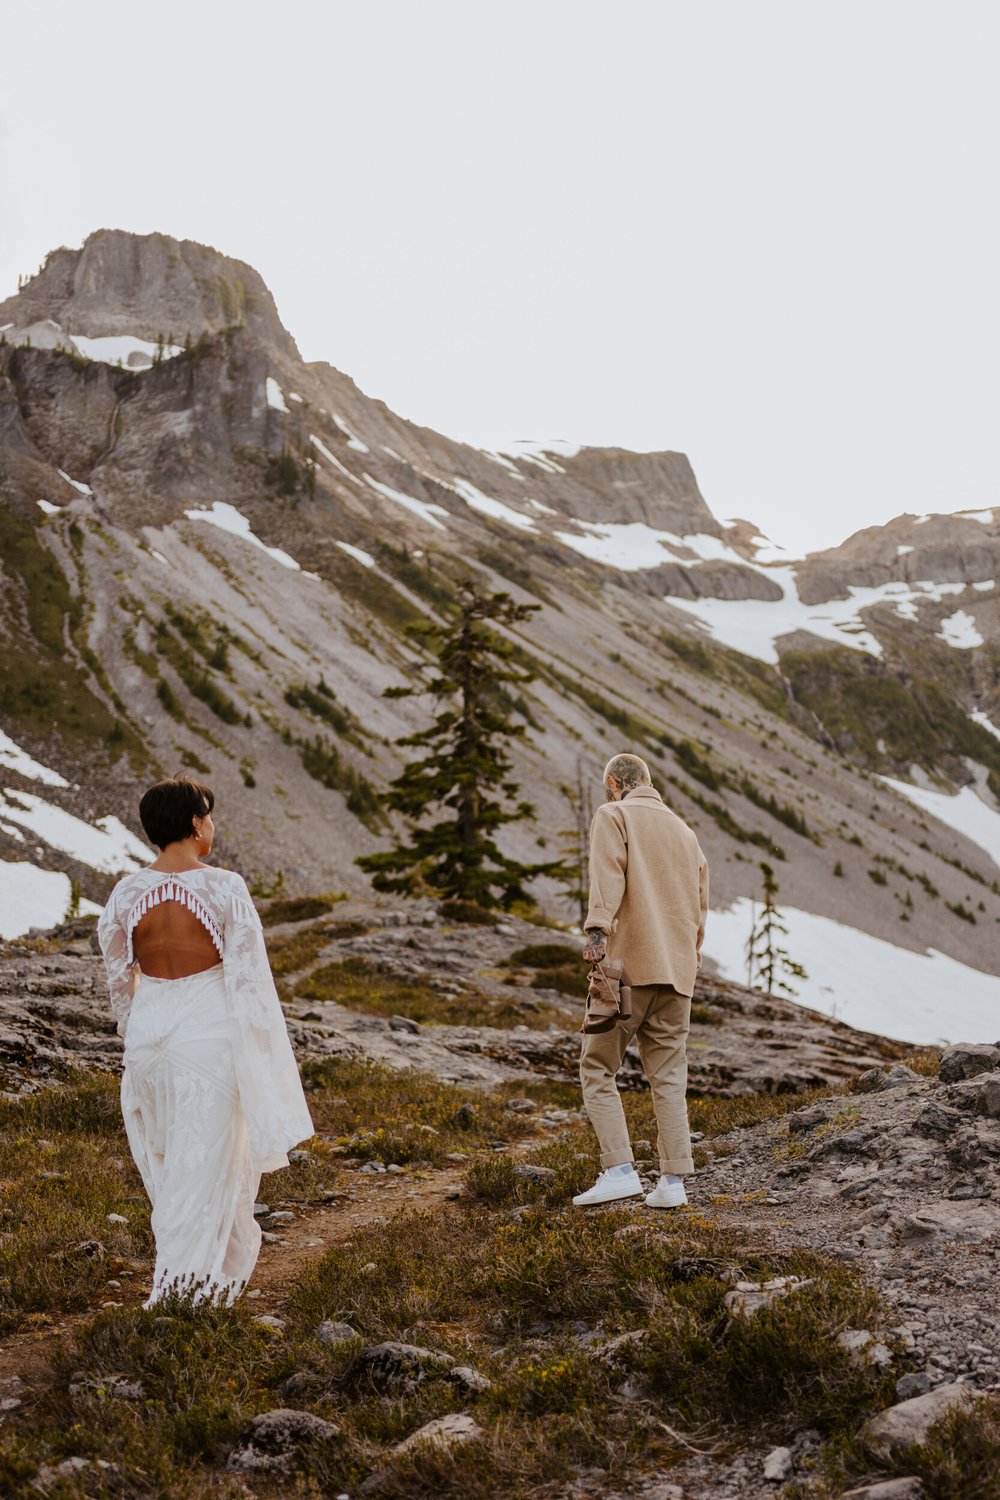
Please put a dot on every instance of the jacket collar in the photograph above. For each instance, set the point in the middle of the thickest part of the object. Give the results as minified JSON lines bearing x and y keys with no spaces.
{"x":643,"y":791}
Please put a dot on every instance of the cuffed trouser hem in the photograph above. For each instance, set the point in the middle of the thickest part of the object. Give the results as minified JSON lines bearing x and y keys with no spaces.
{"x":617,"y":1158}
{"x":678,"y":1166}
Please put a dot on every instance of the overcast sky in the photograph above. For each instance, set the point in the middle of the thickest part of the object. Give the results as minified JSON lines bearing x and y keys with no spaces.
{"x":763,"y":233}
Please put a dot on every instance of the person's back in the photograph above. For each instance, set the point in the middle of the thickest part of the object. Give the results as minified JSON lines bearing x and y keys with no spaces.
{"x":648,"y":906}
{"x":649,"y":889}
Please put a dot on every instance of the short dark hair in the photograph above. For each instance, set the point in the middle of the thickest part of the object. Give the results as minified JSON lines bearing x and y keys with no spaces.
{"x":167,"y":809}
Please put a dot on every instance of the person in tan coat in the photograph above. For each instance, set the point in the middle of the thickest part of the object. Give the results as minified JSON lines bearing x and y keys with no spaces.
{"x":648,"y":906}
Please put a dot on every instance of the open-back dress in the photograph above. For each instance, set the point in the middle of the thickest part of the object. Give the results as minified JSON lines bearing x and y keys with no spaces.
{"x":210,"y":1091}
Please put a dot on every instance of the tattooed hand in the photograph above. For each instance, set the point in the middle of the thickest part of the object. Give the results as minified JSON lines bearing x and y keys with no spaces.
{"x":596,"y":947}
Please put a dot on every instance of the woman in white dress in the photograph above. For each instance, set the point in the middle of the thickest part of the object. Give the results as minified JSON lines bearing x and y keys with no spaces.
{"x":211,"y":1094}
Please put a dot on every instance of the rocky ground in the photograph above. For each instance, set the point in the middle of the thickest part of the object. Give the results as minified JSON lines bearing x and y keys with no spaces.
{"x":888,"y":1168}
{"x":55,"y":1011}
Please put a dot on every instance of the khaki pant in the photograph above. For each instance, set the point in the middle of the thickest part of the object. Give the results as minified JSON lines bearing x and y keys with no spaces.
{"x":659,"y":1022}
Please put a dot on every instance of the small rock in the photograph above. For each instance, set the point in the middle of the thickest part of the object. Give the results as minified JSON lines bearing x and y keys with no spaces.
{"x":270,"y":1323}
{"x":274,"y":1439}
{"x":966,"y":1059}
{"x":908,"y":1424}
{"x":404,"y":1023}
{"x":520,"y":1106}
{"x":863,"y":1347}
{"x":281,"y":1215}
{"x":806,"y":1119}
{"x":117,"y":1219}
{"x":870,"y":1082}
{"x":936,"y":1122}
{"x":335,"y":1333}
{"x":749,"y":1297}
{"x":471,"y":1382}
{"x":300,"y":1156}
{"x":887,"y":1489}
{"x":103,"y":1386}
{"x":260,"y":1210}
{"x":530,"y":1173}
{"x":444,"y":1432}
{"x":778,"y":1465}
{"x":917,"y":1383}
{"x":898,"y":1075}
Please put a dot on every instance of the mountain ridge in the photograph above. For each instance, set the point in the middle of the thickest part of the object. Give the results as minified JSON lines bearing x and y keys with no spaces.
{"x":193,"y":542}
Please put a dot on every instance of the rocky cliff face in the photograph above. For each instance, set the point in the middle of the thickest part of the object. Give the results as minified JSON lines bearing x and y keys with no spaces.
{"x":212,"y":552}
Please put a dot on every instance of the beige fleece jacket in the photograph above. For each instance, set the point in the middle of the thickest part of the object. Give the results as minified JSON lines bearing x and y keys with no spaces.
{"x":648,"y":889}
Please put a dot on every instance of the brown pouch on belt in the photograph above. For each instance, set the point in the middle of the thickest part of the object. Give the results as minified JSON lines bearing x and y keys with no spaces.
{"x":609,"y":996}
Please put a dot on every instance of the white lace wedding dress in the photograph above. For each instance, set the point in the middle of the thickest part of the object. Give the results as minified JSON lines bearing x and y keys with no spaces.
{"x":210,"y":1091}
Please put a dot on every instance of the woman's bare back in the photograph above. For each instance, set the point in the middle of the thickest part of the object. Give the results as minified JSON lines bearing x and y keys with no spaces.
{"x":170,"y":942}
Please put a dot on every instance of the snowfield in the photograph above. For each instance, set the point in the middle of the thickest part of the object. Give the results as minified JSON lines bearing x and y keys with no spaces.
{"x":964,"y":811}
{"x":228,"y":518}
{"x":105,"y":845}
{"x":30,"y":897}
{"x":927,"y":998}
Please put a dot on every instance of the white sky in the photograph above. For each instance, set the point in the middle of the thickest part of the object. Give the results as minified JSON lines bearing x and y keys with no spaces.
{"x":763,"y":233}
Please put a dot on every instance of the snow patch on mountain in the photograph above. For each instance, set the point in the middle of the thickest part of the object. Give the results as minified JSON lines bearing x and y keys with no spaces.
{"x":78,"y":484}
{"x":753,"y":625}
{"x":16,"y":759}
{"x":275,"y":395}
{"x":927,"y":998}
{"x":488,"y":506}
{"x":960,"y":630}
{"x":228,"y":518}
{"x":358,"y":554}
{"x":122,"y":349}
{"x":106,"y":845}
{"x":353,"y":441}
{"x":321,"y":446}
{"x":964,"y":810}
{"x":978,"y":717}
{"x":30,"y":897}
{"x":49,"y":508}
{"x":422,"y":508}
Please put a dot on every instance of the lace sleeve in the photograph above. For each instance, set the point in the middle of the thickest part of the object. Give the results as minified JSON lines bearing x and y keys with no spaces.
{"x":113,"y":938}
{"x":271,"y":1094}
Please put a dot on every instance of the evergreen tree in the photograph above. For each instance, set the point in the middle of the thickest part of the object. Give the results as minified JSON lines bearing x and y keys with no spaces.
{"x":767,"y":960}
{"x":576,"y":840}
{"x":464,"y":773}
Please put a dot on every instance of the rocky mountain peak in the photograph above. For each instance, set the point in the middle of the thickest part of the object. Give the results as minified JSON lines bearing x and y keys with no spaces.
{"x":149,"y":286}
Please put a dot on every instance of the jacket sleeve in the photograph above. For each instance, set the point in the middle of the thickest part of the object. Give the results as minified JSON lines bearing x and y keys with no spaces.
{"x":608,"y":863}
{"x":703,"y":900}
{"x":274,"y":1104}
{"x":121,"y":972}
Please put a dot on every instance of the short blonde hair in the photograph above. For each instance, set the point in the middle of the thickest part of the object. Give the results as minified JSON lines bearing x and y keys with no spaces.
{"x":629,"y":770}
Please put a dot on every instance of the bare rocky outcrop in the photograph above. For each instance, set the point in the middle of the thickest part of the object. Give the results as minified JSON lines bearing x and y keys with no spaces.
{"x":55,"y":1013}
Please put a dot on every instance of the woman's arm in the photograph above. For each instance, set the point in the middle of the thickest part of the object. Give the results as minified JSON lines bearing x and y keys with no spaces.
{"x":113,"y":938}
{"x":274,"y":1104}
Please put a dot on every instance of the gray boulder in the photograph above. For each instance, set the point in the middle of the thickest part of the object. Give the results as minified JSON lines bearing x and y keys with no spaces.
{"x":444,"y":1432}
{"x":908,"y":1424}
{"x":403,"y":1366}
{"x":966,"y":1060}
{"x":273,"y":1442}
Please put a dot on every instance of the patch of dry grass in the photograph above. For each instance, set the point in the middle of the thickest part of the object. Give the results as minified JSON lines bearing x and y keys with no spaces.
{"x":363,"y":985}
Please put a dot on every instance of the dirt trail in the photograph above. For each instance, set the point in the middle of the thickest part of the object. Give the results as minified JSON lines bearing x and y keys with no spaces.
{"x":366,"y":1199}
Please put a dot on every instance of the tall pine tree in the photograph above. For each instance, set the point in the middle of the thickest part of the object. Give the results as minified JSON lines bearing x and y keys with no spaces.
{"x":464,"y":774}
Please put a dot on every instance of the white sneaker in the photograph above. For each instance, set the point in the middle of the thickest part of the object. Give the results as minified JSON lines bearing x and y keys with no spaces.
{"x":667,"y":1195}
{"x":610,"y":1186}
